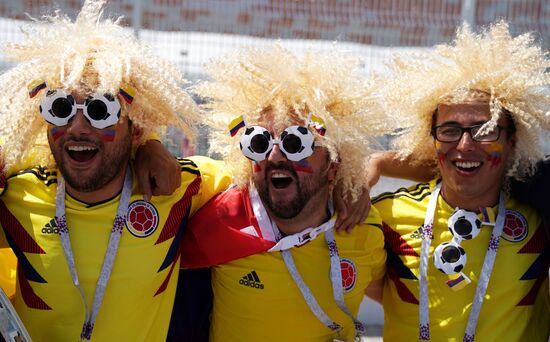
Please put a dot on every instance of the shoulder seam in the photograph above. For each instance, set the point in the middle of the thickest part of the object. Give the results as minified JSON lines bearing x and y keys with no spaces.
{"x":418,"y":192}
{"x":43,"y":174}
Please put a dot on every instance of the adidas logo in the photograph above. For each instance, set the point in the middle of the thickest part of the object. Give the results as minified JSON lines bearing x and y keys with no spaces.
{"x":418,"y":234}
{"x":252,"y":280}
{"x":50,"y":227}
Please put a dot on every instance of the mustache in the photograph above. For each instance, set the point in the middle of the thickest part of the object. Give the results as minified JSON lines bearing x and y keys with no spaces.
{"x":72,"y":139}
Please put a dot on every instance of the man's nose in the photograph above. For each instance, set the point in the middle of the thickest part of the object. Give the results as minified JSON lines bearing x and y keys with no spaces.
{"x":276,"y":155}
{"x":466,"y":142}
{"x":79,"y":124}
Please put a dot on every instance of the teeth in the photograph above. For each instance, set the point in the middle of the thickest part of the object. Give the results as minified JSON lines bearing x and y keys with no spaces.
{"x":467,"y":165}
{"x":81,"y":148}
{"x":279,"y":175}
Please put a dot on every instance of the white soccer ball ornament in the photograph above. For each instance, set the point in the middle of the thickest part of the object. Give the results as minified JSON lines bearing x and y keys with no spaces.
{"x":464,"y":224}
{"x":106,"y":112}
{"x":256,"y":143}
{"x":61,"y":116}
{"x":297,"y":143}
{"x":449,"y":257}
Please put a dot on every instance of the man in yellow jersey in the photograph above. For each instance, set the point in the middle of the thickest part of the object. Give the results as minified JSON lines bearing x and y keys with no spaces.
{"x":95,"y":261}
{"x":466,"y":261}
{"x":288,"y":126}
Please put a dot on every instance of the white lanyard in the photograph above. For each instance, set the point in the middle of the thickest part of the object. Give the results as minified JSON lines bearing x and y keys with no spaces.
{"x":284,"y":245}
{"x":486,"y":270}
{"x":114,"y":239}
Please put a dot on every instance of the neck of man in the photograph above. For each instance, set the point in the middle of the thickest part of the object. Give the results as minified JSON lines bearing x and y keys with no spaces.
{"x":108,"y":191}
{"x":314,"y":214}
{"x":471,"y":203}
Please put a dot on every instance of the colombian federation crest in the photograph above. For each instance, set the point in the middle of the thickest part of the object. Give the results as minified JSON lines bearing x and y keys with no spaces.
{"x":142,"y":219}
{"x":349,"y":274}
{"x":515,"y":227}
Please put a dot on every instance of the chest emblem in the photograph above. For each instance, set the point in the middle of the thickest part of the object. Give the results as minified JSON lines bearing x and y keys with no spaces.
{"x":349,"y":274}
{"x":142,"y":219}
{"x":515,"y":227}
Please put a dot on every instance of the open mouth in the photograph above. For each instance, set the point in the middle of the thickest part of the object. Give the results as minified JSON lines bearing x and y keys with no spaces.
{"x":467,"y":166}
{"x":81,"y":153}
{"x":280,"y":180}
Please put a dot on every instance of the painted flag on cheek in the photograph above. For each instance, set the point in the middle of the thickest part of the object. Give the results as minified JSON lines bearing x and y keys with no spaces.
{"x":495,"y":154}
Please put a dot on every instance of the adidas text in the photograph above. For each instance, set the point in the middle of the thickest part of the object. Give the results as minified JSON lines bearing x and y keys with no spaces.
{"x":50,"y":230}
{"x":252,"y":280}
{"x":252,"y":284}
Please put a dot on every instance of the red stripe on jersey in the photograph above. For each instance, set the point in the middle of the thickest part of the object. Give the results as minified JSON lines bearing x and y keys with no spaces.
{"x":178,"y":212}
{"x":165,"y":282}
{"x":2,"y":179}
{"x":537,"y":242}
{"x":20,"y":236}
{"x":531,"y":296}
{"x":29,"y":296}
{"x":397,"y":244}
{"x":402,"y":290}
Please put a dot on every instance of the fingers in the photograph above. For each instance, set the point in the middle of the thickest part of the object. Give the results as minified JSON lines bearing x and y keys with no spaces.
{"x":167,"y":179}
{"x":144,"y":184}
{"x":356,"y":212}
{"x":358,"y":217}
{"x":167,"y":182}
{"x":340,"y":207}
{"x":157,"y":170}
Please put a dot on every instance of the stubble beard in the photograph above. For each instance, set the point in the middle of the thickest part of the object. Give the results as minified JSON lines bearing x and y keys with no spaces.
{"x":112,"y":164}
{"x":306,"y":189}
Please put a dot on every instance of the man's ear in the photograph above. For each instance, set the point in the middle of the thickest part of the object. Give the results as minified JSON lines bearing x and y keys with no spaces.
{"x":137,"y":134}
{"x":512,"y":141}
{"x":332,"y":170}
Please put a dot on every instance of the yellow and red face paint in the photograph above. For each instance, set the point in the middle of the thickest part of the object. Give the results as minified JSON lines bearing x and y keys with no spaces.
{"x":495,"y":153}
{"x":439,"y":152}
{"x":303,"y":166}
{"x":256,"y":167}
{"x":108,"y":134}
{"x":57,"y":132}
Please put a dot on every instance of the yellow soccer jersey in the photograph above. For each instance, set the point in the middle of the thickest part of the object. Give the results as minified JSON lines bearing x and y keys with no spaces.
{"x":140,"y":293}
{"x":256,"y":299}
{"x":8,"y":264}
{"x":515,"y":307}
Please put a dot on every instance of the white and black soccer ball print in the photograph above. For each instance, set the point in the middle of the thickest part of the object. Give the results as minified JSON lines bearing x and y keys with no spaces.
{"x":449,"y":257}
{"x":464,"y":224}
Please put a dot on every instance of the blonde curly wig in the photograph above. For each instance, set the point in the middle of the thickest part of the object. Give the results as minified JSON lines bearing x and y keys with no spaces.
{"x":275,"y":85}
{"x":509,"y":73}
{"x":85,"y":56}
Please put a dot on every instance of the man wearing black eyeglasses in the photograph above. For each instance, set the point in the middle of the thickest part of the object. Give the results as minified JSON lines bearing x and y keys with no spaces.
{"x":466,"y":261}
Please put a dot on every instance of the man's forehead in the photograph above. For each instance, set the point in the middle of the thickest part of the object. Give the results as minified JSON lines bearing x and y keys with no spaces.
{"x":481,"y":108}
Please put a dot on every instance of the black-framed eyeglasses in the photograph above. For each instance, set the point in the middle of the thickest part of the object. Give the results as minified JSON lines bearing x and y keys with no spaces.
{"x":452,"y":133}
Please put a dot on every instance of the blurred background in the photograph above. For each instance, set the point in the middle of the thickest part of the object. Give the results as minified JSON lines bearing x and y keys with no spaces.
{"x":190,"y":33}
